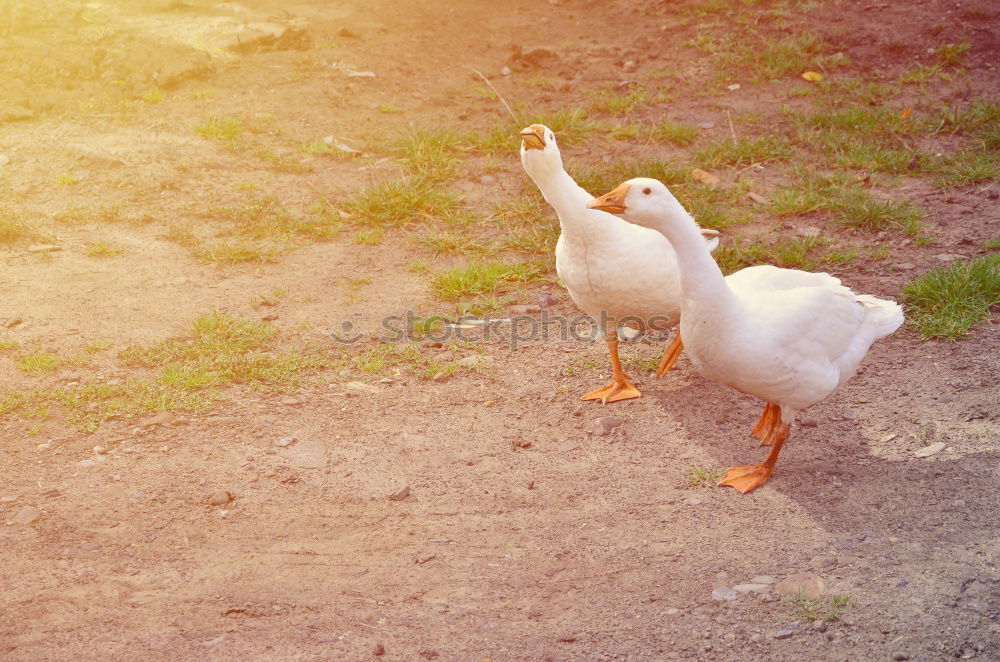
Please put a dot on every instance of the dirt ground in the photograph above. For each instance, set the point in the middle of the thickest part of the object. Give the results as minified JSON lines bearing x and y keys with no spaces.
{"x":527,"y":533}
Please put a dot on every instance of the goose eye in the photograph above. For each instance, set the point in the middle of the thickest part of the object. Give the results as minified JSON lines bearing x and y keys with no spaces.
{"x":646,"y":191}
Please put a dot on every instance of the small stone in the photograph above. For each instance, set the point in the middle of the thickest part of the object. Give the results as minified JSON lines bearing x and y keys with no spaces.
{"x":163,"y":418}
{"x":893,"y":540}
{"x":819,"y":625}
{"x":505,"y":71}
{"x":808,"y":422}
{"x":309,"y":453}
{"x":603,"y":426}
{"x":44,"y":248}
{"x":933,"y":449}
{"x":784,"y":634}
{"x":220,"y":498}
{"x":487,"y":179}
{"x":905,"y":266}
{"x":672,"y":611}
{"x":751,"y":588}
{"x":820,"y":562}
{"x":212,"y":643}
{"x":545,"y":300}
{"x":270,"y":317}
{"x":400,"y":494}
{"x":900,"y":657}
{"x":630,"y":66}
{"x":724,"y":593}
{"x":439,"y":377}
{"x":284,"y":441}
{"x":804,"y":584}
{"x":948,"y":257}
{"x":470,"y":361}
{"x":525,"y":309}
{"x":26,"y":515}
{"x":379,"y":649}
{"x":706,"y":125}
{"x":289,"y":400}
{"x":627,"y":333}
{"x":763,"y":579}
{"x":850,"y":415}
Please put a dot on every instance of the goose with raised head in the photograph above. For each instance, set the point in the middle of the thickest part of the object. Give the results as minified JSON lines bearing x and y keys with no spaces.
{"x":614,"y":271}
{"x":786,"y":336}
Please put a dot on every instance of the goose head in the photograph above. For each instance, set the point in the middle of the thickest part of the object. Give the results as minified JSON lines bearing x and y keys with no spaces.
{"x":640,"y":201}
{"x":539,"y":151}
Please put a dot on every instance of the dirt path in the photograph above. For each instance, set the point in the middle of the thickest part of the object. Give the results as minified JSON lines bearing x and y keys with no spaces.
{"x":525,"y":530}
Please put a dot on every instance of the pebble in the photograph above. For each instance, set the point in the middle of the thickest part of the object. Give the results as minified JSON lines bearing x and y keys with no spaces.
{"x":850,"y":415}
{"x":819,"y":625}
{"x":545,"y":300}
{"x":505,"y":71}
{"x":724,"y":593}
{"x":284,"y":441}
{"x":948,"y":257}
{"x":603,"y":426}
{"x":784,"y":634}
{"x":220,"y":498}
{"x":900,"y":657}
{"x":672,"y":611}
{"x":628,"y":333}
{"x":400,"y":494}
{"x":212,"y":643}
{"x":820,"y":562}
{"x":763,"y":579}
{"x":751,"y":588}
{"x":439,"y":377}
{"x":905,"y":266}
{"x":706,"y":125}
{"x":801,"y":584}
{"x":630,"y":66}
{"x":808,"y":422}
{"x":525,"y":309}
{"x":26,"y":515}
{"x":163,"y":418}
{"x":306,"y":454}
{"x":927,"y":451}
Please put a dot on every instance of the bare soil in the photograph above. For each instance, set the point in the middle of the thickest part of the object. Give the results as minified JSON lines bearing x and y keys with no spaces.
{"x":525,"y":536}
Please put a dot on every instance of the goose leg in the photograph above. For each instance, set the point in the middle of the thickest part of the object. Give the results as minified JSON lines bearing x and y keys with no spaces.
{"x":620,"y":388}
{"x":746,"y":479}
{"x":762,"y":431}
{"x":670,"y":356}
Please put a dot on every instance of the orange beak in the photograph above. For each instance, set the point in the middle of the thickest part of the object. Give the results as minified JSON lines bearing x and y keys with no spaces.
{"x":613,"y":201}
{"x":533,"y":137}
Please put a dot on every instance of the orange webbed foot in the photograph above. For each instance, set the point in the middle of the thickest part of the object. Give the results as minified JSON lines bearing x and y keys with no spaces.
{"x":670,"y":356}
{"x":746,"y":479}
{"x":618,"y":389}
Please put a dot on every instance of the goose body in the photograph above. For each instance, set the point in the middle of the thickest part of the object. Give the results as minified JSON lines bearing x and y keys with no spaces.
{"x":789,"y":337}
{"x":615,"y":271}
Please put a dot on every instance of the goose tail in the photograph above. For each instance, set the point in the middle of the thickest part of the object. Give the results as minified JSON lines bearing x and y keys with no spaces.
{"x":882,"y":316}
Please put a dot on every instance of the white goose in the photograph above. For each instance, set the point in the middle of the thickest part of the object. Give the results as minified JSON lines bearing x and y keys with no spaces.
{"x":615,"y":271}
{"x":790,"y":337}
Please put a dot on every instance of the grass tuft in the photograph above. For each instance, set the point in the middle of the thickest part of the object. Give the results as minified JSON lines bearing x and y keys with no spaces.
{"x":483,"y":278}
{"x":947,"y":302}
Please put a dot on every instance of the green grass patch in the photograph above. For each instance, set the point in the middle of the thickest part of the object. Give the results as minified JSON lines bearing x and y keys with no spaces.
{"x":226,"y":252}
{"x":14,"y":226}
{"x":744,"y":151}
{"x":402,"y":201}
{"x":221,"y":128}
{"x":38,"y":364}
{"x":429,"y":153}
{"x":479,"y":278}
{"x":702,"y":477}
{"x":806,"y":253}
{"x":386,"y":358}
{"x":104,"y":249}
{"x":947,"y":302}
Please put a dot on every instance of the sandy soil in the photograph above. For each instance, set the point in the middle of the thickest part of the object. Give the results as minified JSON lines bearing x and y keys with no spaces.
{"x":526,"y":535}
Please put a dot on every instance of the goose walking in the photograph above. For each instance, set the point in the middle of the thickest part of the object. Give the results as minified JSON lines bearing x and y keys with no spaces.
{"x":614,"y":271}
{"x":789,"y":337}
